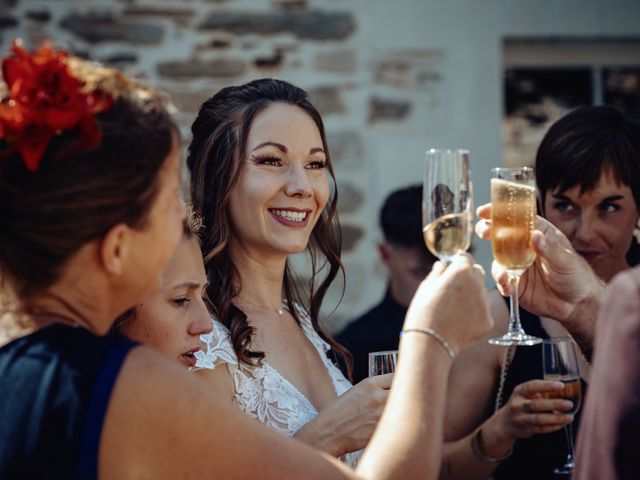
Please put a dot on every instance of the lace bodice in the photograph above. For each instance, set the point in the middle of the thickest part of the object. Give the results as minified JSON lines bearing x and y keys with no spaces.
{"x":260,"y":391}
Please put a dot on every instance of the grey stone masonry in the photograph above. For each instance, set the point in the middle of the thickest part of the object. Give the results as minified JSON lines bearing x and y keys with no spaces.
{"x":385,"y":110}
{"x":390,"y":78}
{"x":311,"y":24}
{"x":7,"y":21}
{"x":350,"y":197}
{"x":97,"y":27}
{"x":190,"y":69}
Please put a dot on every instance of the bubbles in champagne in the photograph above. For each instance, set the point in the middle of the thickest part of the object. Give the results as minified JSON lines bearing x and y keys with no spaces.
{"x":513,"y":215}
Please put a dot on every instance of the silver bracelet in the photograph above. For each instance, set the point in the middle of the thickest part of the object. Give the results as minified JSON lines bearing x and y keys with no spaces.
{"x":434,"y":334}
{"x":480,"y":455}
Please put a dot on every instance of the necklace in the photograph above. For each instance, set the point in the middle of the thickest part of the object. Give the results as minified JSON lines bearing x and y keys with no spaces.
{"x":279,"y":311}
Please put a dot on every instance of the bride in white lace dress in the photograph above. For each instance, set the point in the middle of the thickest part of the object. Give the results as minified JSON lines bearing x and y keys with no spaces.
{"x":262,"y":180}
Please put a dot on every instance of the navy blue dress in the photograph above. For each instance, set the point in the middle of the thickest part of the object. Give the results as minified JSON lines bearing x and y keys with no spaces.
{"x":55,"y":386}
{"x":375,"y":331}
{"x":535,"y":457}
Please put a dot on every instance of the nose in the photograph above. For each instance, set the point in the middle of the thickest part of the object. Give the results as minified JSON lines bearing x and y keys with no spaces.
{"x":201,"y":322}
{"x":586,"y":229}
{"x":298,"y":184}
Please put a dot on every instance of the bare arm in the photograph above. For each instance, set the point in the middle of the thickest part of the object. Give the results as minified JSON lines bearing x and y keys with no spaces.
{"x":473,"y":378}
{"x":165,"y":423}
{"x":472,"y":385}
{"x":460,"y":305}
{"x":495,"y":438}
{"x":219,"y":379}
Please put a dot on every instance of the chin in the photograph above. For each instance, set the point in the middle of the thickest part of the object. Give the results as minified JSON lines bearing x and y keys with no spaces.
{"x":292,"y":248}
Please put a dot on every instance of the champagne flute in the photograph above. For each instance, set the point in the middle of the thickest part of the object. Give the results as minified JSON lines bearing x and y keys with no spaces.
{"x":382,"y":362}
{"x":560,"y":363}
{"x":513,"y":218}
{"x":447,"y":203}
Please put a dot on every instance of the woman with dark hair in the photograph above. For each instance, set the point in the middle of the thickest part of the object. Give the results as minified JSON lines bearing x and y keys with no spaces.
{"x":263,"y":182}
{"x":90,"y":212}
{"x":588,"y":178}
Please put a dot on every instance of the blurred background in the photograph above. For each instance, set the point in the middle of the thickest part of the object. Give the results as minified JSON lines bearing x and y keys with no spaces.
{"x":391,"y":78}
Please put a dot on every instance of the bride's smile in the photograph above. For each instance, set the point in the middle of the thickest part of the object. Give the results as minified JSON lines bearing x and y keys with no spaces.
{"x":282,"y":187}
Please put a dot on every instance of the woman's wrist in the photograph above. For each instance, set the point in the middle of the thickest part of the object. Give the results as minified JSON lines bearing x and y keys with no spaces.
{"x":320,"y":436}
{"x":479,"y":449}
{"x":497,"y":442}
{"x":433,"y":334}
{"x":581,"y":323}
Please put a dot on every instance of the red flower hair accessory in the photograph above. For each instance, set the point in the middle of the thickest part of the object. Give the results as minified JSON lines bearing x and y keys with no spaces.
{"x":46,"y":97}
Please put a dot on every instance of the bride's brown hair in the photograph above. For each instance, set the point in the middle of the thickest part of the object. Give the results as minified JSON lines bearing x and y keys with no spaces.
{"x":220,"y":133}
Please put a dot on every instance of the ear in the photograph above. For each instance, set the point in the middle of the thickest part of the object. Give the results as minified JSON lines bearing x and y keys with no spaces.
{"x":114,"y":248}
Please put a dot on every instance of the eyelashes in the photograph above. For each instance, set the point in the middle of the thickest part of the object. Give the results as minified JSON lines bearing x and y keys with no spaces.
{"x":180,"y":302}
{"x":272,"y":160}
{"x":317,"y":165}
{"x":268,"y":160}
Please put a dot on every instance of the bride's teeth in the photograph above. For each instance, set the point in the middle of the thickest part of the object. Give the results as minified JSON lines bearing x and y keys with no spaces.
{"x":291,"y":216}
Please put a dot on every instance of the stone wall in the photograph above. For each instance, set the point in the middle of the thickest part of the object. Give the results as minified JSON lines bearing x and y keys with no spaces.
{"x":391,"y":78}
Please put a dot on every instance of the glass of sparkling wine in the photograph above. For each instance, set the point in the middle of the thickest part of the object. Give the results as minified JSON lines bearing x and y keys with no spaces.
{"x":560,"y":363}
{"x":513,"y":218}
{"x":382,"y":362}
{"x":447,"y":203}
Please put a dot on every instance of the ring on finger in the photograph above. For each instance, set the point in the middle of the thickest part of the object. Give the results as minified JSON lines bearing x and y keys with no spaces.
{"x":526,"y":406}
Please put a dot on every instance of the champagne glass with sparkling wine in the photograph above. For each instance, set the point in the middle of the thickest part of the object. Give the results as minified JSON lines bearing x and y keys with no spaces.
{"x":447,"y":203}
{"x":382,"y":362}
{"x":560,"y":363}
{"x":513,"y":218}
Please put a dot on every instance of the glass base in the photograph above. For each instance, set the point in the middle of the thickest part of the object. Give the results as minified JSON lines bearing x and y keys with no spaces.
{"x":516,"y":338}
{"x":566,"y":470}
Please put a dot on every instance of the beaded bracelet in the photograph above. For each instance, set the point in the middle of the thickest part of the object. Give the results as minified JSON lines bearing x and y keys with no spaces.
{"x":475,"y":448}
{"x":434,"y":334}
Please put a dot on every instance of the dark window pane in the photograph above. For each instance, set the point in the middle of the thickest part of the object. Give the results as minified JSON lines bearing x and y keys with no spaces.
{"x":534,"y":98}
{"x":622,"y":89}
{"x":526,"y":88}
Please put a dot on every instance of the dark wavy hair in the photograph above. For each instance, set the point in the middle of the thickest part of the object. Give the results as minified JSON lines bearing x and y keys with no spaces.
{"x":220,"y":133}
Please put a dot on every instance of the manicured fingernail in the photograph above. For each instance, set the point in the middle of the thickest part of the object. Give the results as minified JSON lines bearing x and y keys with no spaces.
{"x":567,"y":404}
{"x":558,"y":385}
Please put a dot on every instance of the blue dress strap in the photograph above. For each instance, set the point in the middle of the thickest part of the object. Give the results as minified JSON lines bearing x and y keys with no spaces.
{"x":87,"y":466}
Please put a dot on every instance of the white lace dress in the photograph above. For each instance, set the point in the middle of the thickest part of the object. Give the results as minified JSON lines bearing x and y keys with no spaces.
{"x":261,"y":391}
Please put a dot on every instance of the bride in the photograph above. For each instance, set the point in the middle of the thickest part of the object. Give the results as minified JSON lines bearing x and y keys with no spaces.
{"x":262,"y":180}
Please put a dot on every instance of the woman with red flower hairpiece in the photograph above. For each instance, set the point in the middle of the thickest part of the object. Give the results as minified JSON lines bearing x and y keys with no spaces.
{"x":46,"y":98}
{"x":87,"y":231}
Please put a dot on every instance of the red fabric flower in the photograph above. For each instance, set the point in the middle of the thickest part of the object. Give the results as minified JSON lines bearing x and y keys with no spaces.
{"x":45,"y":98}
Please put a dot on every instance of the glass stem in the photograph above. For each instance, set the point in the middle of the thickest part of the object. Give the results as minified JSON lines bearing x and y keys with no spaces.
{"x":514,"y":321}
{"x":568,"y":432}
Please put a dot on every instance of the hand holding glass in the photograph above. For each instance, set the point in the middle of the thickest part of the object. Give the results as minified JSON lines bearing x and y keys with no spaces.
{"x":513,"y":218}
{"x":447,"y":203}
{"x":560,"y":363}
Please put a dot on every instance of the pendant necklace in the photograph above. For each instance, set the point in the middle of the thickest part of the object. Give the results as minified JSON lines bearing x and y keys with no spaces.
{"x":279,"y":311}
